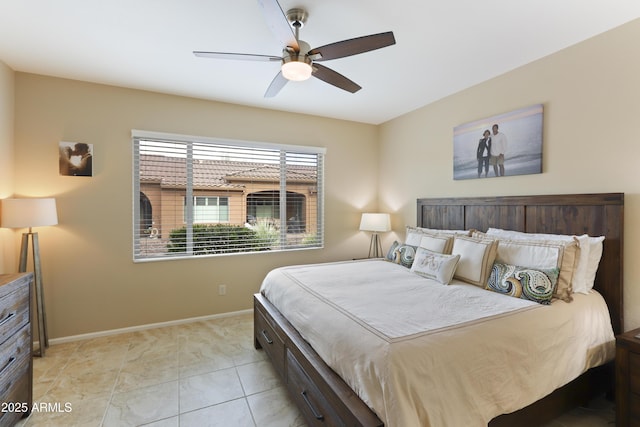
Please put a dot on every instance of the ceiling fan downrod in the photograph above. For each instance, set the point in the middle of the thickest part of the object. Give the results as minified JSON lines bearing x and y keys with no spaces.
{"x":297,"y":18}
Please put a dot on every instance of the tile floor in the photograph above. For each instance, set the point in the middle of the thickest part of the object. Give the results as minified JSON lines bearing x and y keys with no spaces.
{"x":205,"y":373}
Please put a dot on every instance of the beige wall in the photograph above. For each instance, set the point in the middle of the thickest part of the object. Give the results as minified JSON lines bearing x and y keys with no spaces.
{"x":91,"y":283}
{"x":591,"y":97}
{"x":8,"y":253}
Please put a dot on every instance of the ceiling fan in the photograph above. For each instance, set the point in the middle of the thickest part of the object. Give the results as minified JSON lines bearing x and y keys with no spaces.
{"x":299,"y":61}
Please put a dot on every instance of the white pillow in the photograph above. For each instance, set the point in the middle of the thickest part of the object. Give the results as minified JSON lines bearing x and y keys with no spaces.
{"x":595,"y":254}
{"x":530,"y":254}
{"x":476,"y":259}
{"x":414,"y":234}
{"x":580,"y":281}
{"x":436,"y":266}
{"x":413,"y":237}
{"x":437,"y":243}
{"x":439,"y":231}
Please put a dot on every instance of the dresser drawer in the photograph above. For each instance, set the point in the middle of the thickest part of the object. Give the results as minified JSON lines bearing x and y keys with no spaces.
{"x":15,"y":354}
{"x":314,"y":405}
{"x":17,"y":400}
{"x":270,"y":338}
{"x":14,"y":312}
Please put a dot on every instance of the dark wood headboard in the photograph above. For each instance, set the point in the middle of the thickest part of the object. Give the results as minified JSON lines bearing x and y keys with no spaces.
{"x":593,"y":214}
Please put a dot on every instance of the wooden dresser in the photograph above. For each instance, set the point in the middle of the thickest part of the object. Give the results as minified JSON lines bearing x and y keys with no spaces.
{"x":628,"y":379}
{"x":16,"y":366}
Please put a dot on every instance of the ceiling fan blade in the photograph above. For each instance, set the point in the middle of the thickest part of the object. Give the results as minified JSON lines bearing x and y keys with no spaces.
{"x":278,"y":23}
{"x":334,"y":78}
{"x":240,"y":56}
{"x":353,"y":46}
{"x":276,"y":85}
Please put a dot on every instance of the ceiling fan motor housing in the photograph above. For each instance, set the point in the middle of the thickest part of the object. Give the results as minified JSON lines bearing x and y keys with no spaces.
{"x":296,"y":66}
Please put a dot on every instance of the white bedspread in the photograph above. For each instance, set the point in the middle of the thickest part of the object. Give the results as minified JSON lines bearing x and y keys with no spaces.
{"x":423,"y":354}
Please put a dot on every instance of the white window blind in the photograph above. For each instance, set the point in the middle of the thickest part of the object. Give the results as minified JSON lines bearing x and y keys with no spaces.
{"x":196,"y":196}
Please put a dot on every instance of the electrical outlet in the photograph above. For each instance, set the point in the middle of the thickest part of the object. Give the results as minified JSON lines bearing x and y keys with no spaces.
{"x":222,"y":289}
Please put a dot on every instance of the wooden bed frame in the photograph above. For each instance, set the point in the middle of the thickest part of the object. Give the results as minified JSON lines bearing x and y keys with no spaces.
{"x":325,"y":399}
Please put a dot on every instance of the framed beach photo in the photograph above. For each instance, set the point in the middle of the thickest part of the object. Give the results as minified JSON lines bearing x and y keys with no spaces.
{"x":503,"y":145}
{"x":75,"y":158}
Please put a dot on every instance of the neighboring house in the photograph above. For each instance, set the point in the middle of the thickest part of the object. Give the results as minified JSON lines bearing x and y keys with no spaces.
{"x":229,"y":192}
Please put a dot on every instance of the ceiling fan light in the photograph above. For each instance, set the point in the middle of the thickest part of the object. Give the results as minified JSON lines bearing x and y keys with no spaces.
{"x":296,"y":71}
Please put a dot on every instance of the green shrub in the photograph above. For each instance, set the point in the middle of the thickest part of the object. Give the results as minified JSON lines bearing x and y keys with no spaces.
{"x":217,"y":239}
{"x":311,"y":240}
{"x":267,"y":234}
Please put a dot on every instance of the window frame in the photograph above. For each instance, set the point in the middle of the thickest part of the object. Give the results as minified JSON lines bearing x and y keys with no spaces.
{"x":190,"y":140}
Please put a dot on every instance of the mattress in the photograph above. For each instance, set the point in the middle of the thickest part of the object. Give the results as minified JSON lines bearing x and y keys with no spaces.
{"x":424,"y":354}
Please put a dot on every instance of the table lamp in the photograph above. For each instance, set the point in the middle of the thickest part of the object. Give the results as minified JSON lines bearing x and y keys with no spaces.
{"x":377,"y":223}
{"x":28,"y":213}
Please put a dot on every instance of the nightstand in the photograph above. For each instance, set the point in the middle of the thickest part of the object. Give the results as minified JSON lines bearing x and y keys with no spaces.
{"x":628,"y":379}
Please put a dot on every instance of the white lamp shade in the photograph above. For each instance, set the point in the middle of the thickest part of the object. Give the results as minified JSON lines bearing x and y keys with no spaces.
{"x":23,"y":213}
{"x":378,"y":222}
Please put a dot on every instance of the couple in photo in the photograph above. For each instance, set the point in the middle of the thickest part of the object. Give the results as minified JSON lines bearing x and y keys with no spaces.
{"x":491,"y":149}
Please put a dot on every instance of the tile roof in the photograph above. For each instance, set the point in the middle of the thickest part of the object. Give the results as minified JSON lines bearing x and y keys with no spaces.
{"x":171,"y":172}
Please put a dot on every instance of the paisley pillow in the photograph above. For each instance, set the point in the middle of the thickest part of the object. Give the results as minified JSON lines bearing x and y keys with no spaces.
{"x":523,"y":282}
{"x":402,"y":254}
{"x":392,"y":250}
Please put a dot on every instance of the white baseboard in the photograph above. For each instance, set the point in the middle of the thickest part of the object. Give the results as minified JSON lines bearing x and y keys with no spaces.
{"x":81,"y":337}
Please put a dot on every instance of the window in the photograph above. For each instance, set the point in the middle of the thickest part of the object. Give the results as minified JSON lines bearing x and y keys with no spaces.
{"x":198,"y":196}
{"x":209,"y":209}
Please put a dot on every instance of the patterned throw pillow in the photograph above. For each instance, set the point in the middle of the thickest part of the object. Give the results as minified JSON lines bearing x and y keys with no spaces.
{"x":392,"y":250}
{"x":401,"y":254}
{"x":523,"y":282}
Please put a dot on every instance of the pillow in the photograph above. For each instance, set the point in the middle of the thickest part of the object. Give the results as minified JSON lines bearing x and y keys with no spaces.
{"x":442,"y":231}
{"x":476,"y":259}
{"x":402,"y":254}
{"x":413,"y":237}
{"x":436,"y":266}
{"x":523,"y":282}
{"x":414,"y":234}
{"x":392,"y":250}
{"x":543,"y":254}
{"x":440,"y":243}
{"x":579,"y":280}
{"x":595,"y":254}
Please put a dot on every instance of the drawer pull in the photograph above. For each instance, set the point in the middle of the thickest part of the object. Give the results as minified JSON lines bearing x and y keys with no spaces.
{"x":315,"y":413}
{"x":266,"y":337}
{"x":6,"y":319}
{"x":7,"y":365}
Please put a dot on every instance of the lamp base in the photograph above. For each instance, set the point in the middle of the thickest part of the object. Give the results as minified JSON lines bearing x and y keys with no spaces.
{"x":375,"y":247}
{"x":37,"y":285}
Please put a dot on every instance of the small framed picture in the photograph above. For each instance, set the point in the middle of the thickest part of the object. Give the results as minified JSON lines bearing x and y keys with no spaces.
{"x":75,"y":158}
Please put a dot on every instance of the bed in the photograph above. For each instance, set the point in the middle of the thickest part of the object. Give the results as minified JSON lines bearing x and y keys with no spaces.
{"x":326,"y":399}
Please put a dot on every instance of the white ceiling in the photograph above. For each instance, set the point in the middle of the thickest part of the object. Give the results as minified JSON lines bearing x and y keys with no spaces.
{"x":442,"y":46}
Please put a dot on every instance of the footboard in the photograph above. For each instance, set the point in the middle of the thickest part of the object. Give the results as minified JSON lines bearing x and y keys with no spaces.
{"x":321,"y":395}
